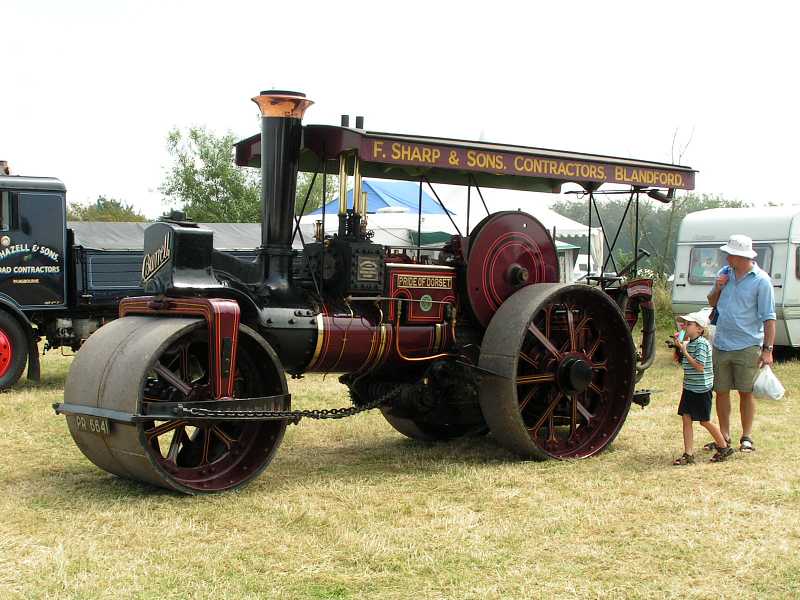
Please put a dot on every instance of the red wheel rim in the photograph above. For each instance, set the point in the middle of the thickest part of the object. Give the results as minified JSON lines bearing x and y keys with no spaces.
{"x":6,"y":353}
{"x":564,"y":422}
{"x":213,"y":455}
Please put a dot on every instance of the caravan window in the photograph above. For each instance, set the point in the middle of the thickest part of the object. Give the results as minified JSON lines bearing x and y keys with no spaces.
{"x":797,"y":263}
{"x":704,"y":264}
{"x":764,"y":257}
{"x":706,"y":261}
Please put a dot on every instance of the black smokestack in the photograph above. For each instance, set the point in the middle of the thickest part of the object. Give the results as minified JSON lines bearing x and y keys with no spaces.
{"x":281,"y":131}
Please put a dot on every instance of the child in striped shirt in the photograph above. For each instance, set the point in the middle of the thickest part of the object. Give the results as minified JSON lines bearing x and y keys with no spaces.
{"x":698,"y":379}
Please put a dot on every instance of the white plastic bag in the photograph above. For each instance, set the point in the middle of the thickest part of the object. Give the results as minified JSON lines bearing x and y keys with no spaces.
{"x":767,"y":385}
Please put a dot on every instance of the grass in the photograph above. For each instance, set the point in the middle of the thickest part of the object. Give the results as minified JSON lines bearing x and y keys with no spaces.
{"x":351,"y":509}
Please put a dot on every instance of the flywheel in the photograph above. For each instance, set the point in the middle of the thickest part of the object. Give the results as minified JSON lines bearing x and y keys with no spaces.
{"x":558,"y":365}
{"x":507,"y":251}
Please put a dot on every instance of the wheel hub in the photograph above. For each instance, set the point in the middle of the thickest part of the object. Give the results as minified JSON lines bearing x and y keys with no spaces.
{"x":574,"y":374}
{"x":6,"y":352}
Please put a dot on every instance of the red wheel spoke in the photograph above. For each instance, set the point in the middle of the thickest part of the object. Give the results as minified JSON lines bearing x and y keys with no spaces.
{"x":175,"y":444}
{"x":581,"y":330}
{"x":528,"y":360}
{"x":585,"y":412}
{"x":172,"y":379}
{"x":526,"y":399}
{"x":222,"y":436}
{"x":206,"y":445}
{"x":573,"y":338}
{"x":595,"y":389}
{"x":184,"y":357}
{"x":595,"y":347}
{"x":546,"y":414}
{"x":551,"y":430}
{"x":537,"y":378}
{"x":163,"y":428}
{"x":601,"y":366}
{"x":548,"y":323}
{"x":583,"y":323}
{"x":543,"y":340}
{"x":573,"y":417}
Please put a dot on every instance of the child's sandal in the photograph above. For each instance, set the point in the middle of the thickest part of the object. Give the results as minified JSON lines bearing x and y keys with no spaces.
{"x":722,"y":454}
{"x":712,"y":446}
{"x":686,"y":459}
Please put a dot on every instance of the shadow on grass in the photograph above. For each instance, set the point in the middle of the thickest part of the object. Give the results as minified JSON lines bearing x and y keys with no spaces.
{"x":81,"y":486}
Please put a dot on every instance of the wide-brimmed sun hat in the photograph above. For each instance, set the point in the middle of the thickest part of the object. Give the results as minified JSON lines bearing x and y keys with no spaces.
{"x":695,"y":317}
{"x":739,"y":245}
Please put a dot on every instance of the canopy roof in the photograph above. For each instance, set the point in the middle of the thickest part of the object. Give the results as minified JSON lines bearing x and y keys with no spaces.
{"x":440,"y":160}
{"x":383,"y":194}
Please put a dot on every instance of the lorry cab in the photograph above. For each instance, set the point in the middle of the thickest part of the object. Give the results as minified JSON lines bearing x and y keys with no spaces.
{"x":776,"y":238}
{"x":32,"y":242}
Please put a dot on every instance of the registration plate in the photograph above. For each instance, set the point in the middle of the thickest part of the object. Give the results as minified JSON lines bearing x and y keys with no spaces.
{"x":98,"y":425}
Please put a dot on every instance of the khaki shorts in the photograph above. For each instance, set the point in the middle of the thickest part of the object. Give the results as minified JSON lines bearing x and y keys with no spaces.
{"x":735,"y":369}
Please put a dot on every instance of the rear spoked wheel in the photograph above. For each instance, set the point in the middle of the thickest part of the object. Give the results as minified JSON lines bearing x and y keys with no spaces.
{"x":564,"y":369}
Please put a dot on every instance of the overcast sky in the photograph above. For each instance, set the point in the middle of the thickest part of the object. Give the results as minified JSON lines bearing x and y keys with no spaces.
{"x":91,"y":88}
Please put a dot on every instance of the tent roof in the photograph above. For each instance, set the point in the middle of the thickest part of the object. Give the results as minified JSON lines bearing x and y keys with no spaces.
{"x":388,"y":194}
{"x":130,"y":236}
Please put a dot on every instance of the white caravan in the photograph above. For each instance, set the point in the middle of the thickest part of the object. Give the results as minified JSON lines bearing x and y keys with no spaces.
{"x":776,"y":239}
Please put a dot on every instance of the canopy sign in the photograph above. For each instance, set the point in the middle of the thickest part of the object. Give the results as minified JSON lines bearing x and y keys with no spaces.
{"x":392,"y":151}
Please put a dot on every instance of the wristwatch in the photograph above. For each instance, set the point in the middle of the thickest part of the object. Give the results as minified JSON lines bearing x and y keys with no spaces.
{"x":767,"y":348}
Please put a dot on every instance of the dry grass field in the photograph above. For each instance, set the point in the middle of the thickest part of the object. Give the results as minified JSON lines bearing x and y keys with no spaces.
{"x":351,"y":509}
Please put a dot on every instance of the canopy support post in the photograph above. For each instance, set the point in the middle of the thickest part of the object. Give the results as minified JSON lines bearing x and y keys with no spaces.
{"x":447,"y":212}
{"x":419,"y":222}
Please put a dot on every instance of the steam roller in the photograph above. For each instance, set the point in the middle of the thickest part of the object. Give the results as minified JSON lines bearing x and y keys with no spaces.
{"x":187,"y":389}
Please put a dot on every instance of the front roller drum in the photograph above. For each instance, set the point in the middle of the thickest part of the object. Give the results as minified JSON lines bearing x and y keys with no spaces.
{"x":149,"y":359}
{"x":559,"y":370}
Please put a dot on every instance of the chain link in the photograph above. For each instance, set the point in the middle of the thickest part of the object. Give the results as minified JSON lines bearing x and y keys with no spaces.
{"x":291,"y":415}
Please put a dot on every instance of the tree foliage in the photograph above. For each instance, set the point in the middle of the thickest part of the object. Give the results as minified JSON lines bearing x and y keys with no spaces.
{"x":206,"y":184}
{"x":104,"y":209}
{"x":658,"y":224}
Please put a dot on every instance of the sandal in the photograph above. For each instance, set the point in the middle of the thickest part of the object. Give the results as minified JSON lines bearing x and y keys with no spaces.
{"x":686,"y":459}
{"x":746,"y":444}
{"x":722,"y":454}
{"x":712,"y":446}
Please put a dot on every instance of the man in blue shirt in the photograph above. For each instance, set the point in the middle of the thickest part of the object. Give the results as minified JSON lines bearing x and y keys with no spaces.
{"x":745,"y":333}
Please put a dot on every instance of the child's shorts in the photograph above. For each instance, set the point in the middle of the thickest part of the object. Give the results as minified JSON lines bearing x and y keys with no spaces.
{"x":696,"y":404}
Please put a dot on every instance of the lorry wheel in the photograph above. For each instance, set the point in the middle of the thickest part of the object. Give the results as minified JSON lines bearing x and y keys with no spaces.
{"x":13,"y":350}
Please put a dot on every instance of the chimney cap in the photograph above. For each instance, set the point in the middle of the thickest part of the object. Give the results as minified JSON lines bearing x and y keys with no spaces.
{"x":281,"y":93}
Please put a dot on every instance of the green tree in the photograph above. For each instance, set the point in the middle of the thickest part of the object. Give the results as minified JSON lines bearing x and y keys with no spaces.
{"x":658,"y":224}
{"x":204,"y":181}
{"x":315,"y":199}
{"x":104,"y":209}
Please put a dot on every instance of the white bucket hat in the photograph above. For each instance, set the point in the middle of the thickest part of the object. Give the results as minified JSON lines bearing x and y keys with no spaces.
{"x":739,"y":245}
{"x":696,"y":317}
